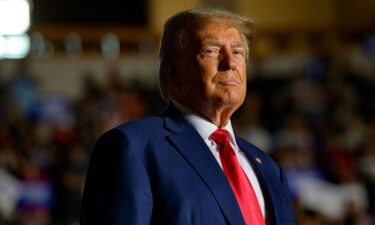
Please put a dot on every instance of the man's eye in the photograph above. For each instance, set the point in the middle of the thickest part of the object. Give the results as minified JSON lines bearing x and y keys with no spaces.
{"x":211,"y":52}
{"x":238,"y":52}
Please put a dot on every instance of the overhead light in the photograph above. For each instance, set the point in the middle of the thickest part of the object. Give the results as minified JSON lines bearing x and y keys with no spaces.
{"x":14,"y":17}
{"x":110,"y":45}
{"x":73,"y":45}
{"x":14,"y":46}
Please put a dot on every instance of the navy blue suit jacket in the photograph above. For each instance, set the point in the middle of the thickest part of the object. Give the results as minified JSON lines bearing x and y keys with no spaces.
{"x":159,"y":171}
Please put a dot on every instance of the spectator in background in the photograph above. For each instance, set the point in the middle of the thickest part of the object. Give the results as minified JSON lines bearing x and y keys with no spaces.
{"x":22,"y":90}
{"x":10,"y":190}
{"x":249,"y":124}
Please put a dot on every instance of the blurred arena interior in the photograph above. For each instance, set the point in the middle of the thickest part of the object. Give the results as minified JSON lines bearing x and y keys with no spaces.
{"x":92,"y":65}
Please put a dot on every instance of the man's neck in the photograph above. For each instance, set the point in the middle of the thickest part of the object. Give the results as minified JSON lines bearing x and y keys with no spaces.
{"x":218,"y":117}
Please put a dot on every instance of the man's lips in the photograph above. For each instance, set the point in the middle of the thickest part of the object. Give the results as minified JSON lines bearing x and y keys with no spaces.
{"x":229,"y":81}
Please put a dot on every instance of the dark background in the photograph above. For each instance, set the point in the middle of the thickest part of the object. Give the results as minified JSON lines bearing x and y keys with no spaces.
{"x":87,"y":12}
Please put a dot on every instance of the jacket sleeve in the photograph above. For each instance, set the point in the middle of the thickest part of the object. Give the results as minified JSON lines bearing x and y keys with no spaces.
{"x":117,"y":189}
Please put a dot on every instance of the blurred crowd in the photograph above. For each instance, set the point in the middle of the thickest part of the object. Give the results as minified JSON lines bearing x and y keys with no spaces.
{"x":318,"y":123}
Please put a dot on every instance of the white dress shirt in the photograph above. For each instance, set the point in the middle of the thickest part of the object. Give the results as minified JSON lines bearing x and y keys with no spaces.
{"x":205,"y":128}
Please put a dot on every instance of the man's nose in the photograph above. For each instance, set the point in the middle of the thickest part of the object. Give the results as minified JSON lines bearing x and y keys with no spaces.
{"x":226,"y":60}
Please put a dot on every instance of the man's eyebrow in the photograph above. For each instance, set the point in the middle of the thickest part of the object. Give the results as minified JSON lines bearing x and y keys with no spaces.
{"x":212,"y":42}
{"x":216,"y":42}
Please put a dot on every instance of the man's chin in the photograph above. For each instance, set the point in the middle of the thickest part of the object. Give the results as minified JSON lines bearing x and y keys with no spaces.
{"x":233,"y":93}
{"x":231,"y":101}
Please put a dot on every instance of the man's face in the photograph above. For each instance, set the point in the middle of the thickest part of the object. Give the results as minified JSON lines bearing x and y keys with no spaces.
{"x":212,"y":69}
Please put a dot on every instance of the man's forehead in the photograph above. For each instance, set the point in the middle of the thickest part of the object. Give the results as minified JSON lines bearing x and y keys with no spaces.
{"x":207,"y":34}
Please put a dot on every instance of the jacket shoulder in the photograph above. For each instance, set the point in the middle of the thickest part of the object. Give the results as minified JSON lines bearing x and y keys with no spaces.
{"x":147,"y":122}
{"x":138,"y":128}
{"x":132,"y":134}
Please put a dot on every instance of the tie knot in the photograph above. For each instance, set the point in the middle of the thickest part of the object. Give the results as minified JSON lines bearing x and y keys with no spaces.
{"x":220,"y":136}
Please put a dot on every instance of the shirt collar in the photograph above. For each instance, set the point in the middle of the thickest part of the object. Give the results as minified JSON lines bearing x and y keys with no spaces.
{"x":204,"y":127}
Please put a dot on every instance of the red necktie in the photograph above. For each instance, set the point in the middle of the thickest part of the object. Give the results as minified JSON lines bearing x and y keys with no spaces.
{"x":241,"y":186}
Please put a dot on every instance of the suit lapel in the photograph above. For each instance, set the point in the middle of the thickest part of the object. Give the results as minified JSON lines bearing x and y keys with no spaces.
{"x":193,"y":148}
{"x":262,"y":169}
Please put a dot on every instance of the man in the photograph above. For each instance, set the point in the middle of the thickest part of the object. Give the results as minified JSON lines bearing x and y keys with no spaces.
{"x":187,"y":166}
